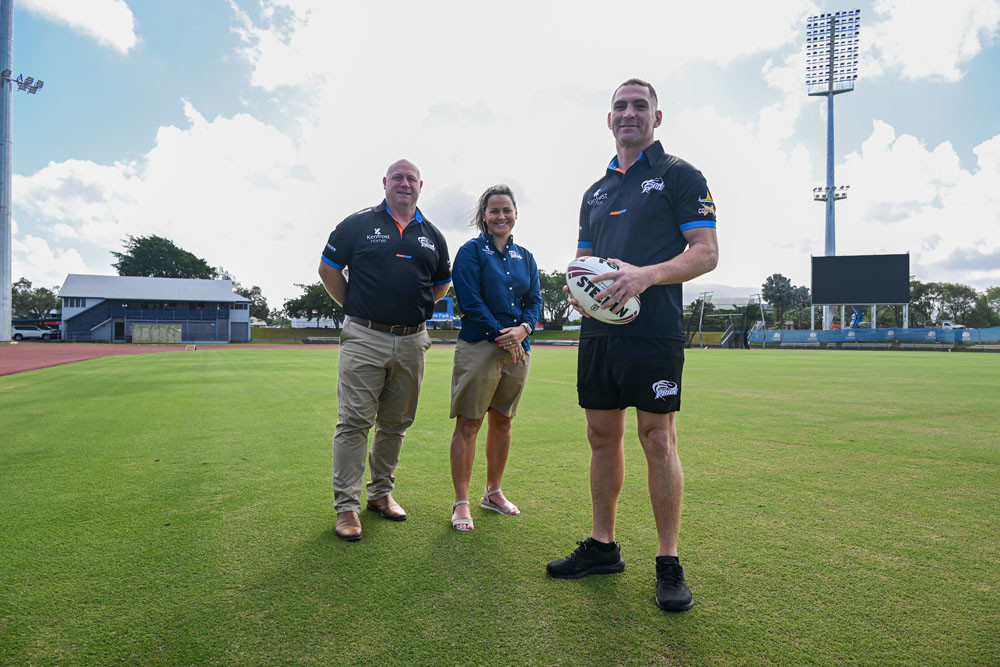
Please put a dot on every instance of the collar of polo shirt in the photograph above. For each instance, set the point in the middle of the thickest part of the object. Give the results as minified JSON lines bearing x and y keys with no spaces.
{"x":416,"y":217}
{"x":486,"y":236}
{"x":652,"y":153}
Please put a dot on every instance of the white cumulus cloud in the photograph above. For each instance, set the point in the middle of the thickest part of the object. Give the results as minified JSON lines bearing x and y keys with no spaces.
{"x":231,"y":190}
{"x":909,"y":197}
{"x":110,"y":22}
{"x":928,"y":40}
{"x":34,"y":259}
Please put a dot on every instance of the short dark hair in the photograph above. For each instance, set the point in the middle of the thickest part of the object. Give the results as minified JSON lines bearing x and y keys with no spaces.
{"x":639,"y":82}
{"x":484,"y":199}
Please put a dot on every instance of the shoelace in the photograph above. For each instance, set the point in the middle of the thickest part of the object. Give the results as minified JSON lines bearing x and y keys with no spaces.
{"x":669,"y":574}
{"x":579,"y":550}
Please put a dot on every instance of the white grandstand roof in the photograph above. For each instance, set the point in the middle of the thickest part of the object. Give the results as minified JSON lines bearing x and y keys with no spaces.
{"x":150,"y":289}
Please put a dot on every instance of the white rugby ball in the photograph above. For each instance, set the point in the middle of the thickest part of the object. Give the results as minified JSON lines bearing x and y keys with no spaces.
{"x":578,"y":278}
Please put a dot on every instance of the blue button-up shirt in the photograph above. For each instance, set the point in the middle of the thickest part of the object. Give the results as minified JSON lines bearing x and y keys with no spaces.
{"x":495,"y":290}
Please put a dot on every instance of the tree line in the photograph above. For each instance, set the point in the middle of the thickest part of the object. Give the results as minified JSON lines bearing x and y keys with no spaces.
{"x":159,"y":257}
{"x":930,"y":303}
{"x":155,"y":256}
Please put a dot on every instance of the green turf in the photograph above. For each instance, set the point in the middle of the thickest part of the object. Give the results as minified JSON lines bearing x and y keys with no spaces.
{"x":266,"y":336}
{"x":840,"y":508}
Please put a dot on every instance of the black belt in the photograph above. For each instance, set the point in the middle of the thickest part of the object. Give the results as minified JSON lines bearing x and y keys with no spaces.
{"x":394,"y":329}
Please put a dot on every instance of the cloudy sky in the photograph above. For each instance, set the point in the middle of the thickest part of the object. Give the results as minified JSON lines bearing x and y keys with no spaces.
{"x":244,"y":130}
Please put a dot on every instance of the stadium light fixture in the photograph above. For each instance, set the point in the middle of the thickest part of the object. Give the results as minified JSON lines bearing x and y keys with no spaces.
{"x":831,"y":68}
{"x":24,"y":84}
{"x":821,"y":194}
{"x":832,"y":52}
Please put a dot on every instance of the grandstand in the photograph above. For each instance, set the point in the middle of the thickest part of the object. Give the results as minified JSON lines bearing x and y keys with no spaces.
{"x":127,"y":309}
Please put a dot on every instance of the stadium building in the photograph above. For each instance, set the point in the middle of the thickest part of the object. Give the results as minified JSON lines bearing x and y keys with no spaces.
{"x":130,"y":309}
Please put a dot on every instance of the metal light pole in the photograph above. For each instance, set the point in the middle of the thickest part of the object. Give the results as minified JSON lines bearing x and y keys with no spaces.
{"x":6,"y":120}
{"x":831,"y":69}
{"x":30,"y":86}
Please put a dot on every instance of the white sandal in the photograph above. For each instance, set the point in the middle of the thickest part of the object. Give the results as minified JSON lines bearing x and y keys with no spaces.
{"x":488,"y":504}
{"x":461,"y":525}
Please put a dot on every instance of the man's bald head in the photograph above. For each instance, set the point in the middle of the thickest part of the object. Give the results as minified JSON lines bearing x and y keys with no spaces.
{"x":405,"y":165}
{"x":402,"y":186}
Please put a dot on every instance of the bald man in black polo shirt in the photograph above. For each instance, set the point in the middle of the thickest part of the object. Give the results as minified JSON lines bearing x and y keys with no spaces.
{"x":398,"y":269}
{"x":652,"y":214}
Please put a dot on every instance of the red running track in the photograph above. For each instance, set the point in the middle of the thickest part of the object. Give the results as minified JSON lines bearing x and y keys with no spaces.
{"x":18,"y":357}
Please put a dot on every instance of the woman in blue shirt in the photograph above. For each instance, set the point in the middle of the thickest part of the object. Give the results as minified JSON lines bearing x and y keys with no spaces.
{"x":496,"y":283}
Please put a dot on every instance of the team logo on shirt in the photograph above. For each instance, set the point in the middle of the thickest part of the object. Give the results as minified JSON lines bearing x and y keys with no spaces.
{"x":597,"y":198}
{"x":652,"y":184}
{"x":378,"y":237}
{"x":488,"y":249}
{"x":707,"y":205}
{"x":513,"y":254}
{"x":664,"y":388}
{"x":426,"y":243}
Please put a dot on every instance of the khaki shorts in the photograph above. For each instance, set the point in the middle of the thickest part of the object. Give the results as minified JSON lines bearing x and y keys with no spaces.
{"x":484,"y":377}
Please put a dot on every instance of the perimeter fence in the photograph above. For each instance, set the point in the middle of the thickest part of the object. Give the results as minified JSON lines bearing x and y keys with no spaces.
{"x":953,"y":336}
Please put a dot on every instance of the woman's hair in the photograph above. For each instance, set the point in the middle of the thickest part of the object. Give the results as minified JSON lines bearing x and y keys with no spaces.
{"x":484,"y":199}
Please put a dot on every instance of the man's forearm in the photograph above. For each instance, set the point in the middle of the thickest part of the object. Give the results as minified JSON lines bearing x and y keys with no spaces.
{"x":334,"y":282}
{"x":697,"y":260}
{"x":440,"y":291}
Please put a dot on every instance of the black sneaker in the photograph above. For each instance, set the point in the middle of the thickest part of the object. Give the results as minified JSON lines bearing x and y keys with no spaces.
{"x":587,"y":559}
{"x":672,"y":592}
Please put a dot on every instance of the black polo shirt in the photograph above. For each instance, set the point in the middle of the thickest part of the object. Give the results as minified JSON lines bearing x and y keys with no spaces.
{"x":392,"y":271}
{"x":638,"y":216}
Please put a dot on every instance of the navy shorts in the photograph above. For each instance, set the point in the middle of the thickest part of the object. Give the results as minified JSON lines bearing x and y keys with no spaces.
{"x":617,"y":372}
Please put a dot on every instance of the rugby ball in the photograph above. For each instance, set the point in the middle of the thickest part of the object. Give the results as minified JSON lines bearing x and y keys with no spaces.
{"x":579,"y":276}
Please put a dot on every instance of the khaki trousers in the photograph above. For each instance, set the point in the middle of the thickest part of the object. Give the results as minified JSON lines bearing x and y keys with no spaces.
{"x":378,"y":382}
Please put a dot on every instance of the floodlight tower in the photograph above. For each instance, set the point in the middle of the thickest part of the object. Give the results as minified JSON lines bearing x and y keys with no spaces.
{"x":831,"y":69}
{"x":30,"y":86}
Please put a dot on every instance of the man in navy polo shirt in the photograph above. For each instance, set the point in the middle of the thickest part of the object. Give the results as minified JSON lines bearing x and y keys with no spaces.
{"x":652,"y":214}
{"x":398,"y":268}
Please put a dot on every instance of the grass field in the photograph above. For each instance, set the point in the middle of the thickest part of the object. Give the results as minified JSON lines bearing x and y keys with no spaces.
{"x":266,"y":336}
{"x":840,"y":508}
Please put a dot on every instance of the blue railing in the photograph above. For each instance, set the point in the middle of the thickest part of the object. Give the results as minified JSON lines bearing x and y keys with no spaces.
{"x":81,"y":323}
{"x":889,"y":335}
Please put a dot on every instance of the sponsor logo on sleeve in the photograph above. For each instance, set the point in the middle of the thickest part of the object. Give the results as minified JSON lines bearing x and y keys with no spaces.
{"x":652,"y":184}
{"x":332,"y":249}
{"x":707,"y":205}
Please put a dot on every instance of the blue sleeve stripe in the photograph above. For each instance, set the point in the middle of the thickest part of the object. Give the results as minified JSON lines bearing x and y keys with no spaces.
{"x":331,"y":263}
{"x":443,"y":282}
{"x":588,"y":244}
{"x":697,"y":223}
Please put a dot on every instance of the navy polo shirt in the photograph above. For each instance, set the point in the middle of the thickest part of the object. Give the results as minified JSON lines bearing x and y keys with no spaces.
{"x":638,"y":216}
{"x":495,"y":290}
{"x":392,"y":271}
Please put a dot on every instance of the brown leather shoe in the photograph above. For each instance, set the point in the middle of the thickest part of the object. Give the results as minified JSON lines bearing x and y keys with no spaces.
{"x":387,"y":508}
{"x":348,"y":526}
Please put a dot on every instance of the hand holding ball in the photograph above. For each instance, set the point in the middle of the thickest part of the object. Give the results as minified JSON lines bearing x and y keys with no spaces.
{"x":581,"y":287}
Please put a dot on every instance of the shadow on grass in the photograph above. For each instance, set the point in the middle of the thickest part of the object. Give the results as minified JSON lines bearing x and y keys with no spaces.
{"x":477,"y":598}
